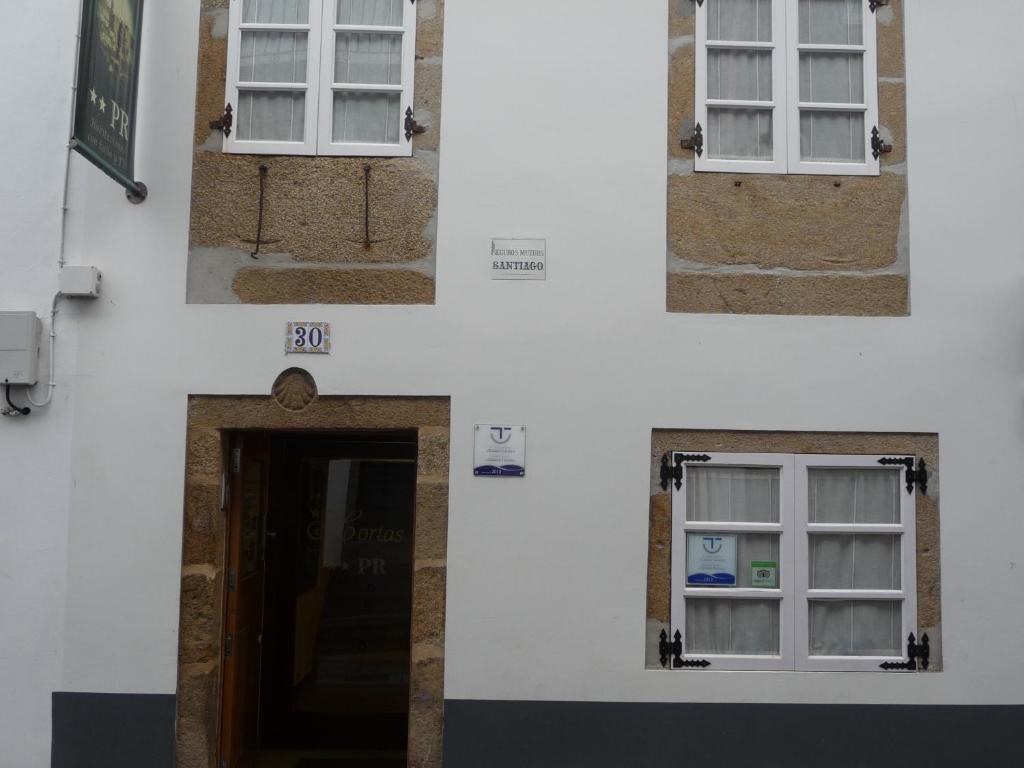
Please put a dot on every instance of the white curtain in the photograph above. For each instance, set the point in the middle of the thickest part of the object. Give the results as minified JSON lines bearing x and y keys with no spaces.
{"x":740,"y":74}
{"x":833,"y":78}
{"x":854,"y":561}
{"x":375,"y":12}
{"x":743,"y":20}
{"x":275,"y":11}
{"x":749,"y":627}
{"x":366,"y":117}
{"x":732,"y":494}
{"x":854,"y":496}
{"x":832,"y":22}
{"x":271,"y":116}
{"x":368,"y":58}
{"x":273,"y":57}
{"x":855,"y":628}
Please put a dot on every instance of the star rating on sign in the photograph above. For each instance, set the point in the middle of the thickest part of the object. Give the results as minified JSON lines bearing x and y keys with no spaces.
{"x":103,"y":105}
{"x":92,"y":95}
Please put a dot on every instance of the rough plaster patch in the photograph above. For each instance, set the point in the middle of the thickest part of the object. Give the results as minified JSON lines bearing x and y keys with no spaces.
{"x":219,"y":28}
{"x":685,"y":41}
{"x":686,"y":8}
{"x":214,"y":142}
{"x":678,"y":166}
{"x":893,"y":80}
{"x":885,"y":15}
{"x":212,"y":270}
{"x":427,"y":9}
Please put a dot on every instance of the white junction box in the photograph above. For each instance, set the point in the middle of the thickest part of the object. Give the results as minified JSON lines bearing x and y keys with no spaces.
{"x":19,"y":347}
{"x":80,"y":282}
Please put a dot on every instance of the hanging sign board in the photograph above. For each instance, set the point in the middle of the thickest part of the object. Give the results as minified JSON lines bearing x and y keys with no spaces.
{"x":499,"y":451}
{"x":108,"y":74}
{"x":711,"y":560}
{"x":519,"y":259}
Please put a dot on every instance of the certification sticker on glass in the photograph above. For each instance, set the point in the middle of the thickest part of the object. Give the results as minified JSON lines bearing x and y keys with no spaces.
{"x":764,"y":574}
{"x":711,"y":560}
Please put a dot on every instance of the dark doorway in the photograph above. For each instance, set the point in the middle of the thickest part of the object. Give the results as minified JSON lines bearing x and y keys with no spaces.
{"x":319,"y":601}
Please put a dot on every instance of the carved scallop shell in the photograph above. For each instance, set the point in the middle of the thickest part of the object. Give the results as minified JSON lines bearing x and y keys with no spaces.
{"x":294,"y":389}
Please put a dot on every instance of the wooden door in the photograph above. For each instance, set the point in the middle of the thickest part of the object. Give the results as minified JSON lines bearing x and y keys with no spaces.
{"x":249,"y":465}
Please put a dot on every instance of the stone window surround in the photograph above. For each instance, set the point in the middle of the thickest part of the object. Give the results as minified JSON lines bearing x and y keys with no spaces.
{"x":211,"y":419}
{"x":788,"y":244}
{"x":659,"y":552}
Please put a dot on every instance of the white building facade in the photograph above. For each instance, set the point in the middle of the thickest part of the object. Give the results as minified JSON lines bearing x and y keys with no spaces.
{"x":553,"y":129}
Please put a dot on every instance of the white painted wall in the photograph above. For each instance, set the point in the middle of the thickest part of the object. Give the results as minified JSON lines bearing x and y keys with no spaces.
{"x":554,"y":126}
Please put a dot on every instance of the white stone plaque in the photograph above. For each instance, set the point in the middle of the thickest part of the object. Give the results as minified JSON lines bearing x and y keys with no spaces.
{"x":519,"y":259}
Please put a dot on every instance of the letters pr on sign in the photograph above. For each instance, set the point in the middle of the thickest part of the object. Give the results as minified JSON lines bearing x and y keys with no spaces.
{"x":499,"y":451}
{"x":108,"y":74}
{"x":711,"y":560}
{"x":308,"y":338}
{"x":519,"y":259}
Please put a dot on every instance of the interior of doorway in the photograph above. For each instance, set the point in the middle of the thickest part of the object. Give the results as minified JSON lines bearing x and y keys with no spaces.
{"x":319,"y":600}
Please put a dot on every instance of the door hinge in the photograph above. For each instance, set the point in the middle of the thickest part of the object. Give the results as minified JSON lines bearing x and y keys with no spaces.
{"x":918,"y":476}
{"x":229,"y":645}
{"x":694,"y":142}
{"x":411,"y":126}
{"x":236,"y":460}
{"x":917,"y":655}
{"x":876,"y":4}
{"x":232,"y":580}
{"x":674,"y":650}
{"x":224,"y":122}
{"x":878,"y":147}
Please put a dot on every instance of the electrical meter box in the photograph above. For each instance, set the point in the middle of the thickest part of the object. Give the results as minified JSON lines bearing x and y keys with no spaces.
{"x":19,"y":347}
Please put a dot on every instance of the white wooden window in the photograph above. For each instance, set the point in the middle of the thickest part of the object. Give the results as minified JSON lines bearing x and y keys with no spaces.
{"x":823,"y":575}
{"x":321,"y":77}
{"x":787,"y":86}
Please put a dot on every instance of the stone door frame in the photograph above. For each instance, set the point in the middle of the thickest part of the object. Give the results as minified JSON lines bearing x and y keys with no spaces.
{"x":211,"y":420}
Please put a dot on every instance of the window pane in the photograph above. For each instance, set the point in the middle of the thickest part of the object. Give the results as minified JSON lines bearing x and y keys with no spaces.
{"x":740,"y":134}
{"x":376,"y":12}
{"x":732,"y":494}
{"x":855,"y":562}
{"x":368,"y":58}
{"x":366,"y":117}
{"x":852,"y":496}
{"x":832,"y":78}
{"x":271,"y":116}
{"x":833,"y":22}
{"x":746,"y":20}
{"x":749,"y":627}
{"x":856,"y":628}
{"x":275,"y":11}
{"x":273,"y":57}
{"x":743,"y":75}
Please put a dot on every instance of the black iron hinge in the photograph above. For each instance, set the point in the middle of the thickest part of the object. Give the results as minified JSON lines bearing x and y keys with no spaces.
{"x":699,"y":2}
{"x":674,"y":650}
{"x":411,"y":126}
{"x":876,"y":4}
{"x":695,"y":142}
{"x":229,"y":645}
{"x":918,"y":476}
{"x":917,"y":655}
{"x":671,"y":473}
{"x":878,"y":147}
{"x":224,"y":122}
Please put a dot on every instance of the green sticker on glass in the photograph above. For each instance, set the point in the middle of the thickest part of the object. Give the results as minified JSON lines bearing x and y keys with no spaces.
{"x":764,"y":574}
